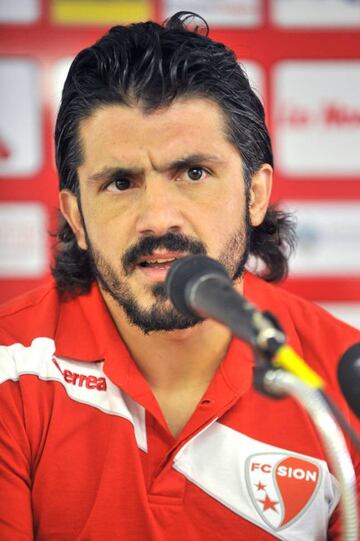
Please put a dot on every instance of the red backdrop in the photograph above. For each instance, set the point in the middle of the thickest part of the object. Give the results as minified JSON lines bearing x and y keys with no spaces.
{"x":47,"y":40}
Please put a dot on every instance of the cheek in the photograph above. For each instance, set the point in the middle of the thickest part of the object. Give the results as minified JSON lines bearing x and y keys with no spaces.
{"x":222,"y":230}
{"x":227,"y":215}
{"x":107,"y":231}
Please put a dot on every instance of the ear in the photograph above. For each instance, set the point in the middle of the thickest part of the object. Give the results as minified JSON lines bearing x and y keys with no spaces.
{"x":260,"y":191}
{"x":70,"y":209}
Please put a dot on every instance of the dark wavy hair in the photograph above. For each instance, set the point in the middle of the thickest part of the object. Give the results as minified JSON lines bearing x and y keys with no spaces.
{"x":150,"y":65}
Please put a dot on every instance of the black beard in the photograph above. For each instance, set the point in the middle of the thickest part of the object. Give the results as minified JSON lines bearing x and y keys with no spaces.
{"x":163,"y":316}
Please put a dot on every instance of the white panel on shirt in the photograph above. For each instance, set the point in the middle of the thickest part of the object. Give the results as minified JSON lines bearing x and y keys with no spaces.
{"x":84,"y":382}
{"x":287,"y":494}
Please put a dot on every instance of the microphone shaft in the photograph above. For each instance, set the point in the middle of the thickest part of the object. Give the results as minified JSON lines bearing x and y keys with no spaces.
{"x":212,"y":297}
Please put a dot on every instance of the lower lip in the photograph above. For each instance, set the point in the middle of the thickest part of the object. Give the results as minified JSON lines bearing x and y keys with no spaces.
{"x":155,"y":274}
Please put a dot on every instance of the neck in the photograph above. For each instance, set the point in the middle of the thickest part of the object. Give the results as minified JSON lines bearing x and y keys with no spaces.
{"x":174,"y":359}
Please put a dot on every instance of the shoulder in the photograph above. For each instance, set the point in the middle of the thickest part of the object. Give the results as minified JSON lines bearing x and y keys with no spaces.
{"x":317,"y":335}
{"x":32,"y":314}
{"x":45,"y":320}
{"x":302,"y":312}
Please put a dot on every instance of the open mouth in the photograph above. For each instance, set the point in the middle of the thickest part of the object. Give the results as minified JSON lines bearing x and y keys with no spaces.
{"x":159,"y":263}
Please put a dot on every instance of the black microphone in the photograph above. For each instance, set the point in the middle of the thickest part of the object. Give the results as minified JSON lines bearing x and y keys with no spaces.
{"x":200,"y":286}
{"x":349,"y":377}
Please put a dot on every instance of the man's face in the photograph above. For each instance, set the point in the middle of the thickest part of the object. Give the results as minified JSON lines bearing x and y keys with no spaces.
{"x":153,"y":188}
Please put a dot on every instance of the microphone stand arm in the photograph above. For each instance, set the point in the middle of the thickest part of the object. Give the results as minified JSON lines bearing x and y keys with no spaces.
{"x":279,"y":382}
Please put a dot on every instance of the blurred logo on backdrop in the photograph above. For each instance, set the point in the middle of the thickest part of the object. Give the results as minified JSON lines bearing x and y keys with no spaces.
{"x":328,"y":239}
{"x":315,"y":13}
{"x":23,"y":240}
{"x":21,"y":151}
{"x":19,"y":11}
{"x":256,"y":76}
{"x":317,"y":118}
{"x":98,"y":12}
{"x":230,"y":13}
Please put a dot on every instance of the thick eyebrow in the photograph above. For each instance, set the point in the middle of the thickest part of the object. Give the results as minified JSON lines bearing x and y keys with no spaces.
{"x":193,"y":159}
{"x":111,"y":173}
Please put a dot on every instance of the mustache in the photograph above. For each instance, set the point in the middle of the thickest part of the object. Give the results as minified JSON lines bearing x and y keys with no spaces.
{"x":174,"y":242}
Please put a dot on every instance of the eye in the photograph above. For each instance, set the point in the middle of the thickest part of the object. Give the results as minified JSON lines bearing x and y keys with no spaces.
{"x":119,"y":185}
{"x":195,"y":173}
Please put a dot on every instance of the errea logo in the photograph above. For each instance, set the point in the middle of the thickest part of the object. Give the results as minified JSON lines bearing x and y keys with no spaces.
{"x":88,"y":381}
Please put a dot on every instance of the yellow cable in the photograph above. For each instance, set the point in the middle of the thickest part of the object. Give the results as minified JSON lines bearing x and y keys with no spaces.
{"x":286,"y":358}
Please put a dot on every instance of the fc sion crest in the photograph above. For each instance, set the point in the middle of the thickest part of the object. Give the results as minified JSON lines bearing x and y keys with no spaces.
{"x":281,"y":486}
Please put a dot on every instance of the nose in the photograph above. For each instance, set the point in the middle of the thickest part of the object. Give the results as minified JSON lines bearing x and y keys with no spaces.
{"x":159,"y":209}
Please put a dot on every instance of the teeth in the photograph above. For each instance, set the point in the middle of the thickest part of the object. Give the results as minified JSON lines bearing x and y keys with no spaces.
{"x":163,"y":260}
{"x":160,"y":261}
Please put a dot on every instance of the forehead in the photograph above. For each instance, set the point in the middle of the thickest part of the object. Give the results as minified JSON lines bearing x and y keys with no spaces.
{"x":123,"y":133}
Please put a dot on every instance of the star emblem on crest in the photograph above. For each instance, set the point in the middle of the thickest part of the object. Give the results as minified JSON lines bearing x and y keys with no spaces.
{"x":268,"y":503}
{"x":260,"y":486}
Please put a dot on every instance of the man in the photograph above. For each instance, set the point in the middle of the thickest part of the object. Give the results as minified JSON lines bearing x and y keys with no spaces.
{"x":121,"y":418}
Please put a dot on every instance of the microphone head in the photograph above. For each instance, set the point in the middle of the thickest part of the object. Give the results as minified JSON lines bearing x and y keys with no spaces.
{"x":186,"y":271}
{"x":349,"y":377}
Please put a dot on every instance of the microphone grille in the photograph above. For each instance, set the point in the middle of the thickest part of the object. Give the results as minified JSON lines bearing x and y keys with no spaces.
{"x":349,"y":377}
{"x":186,"y":270}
